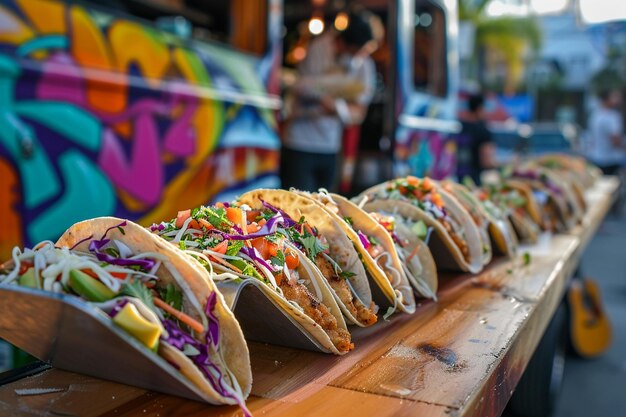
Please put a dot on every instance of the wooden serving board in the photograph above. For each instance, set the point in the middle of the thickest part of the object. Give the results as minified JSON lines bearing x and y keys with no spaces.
{"x":461,"y":356}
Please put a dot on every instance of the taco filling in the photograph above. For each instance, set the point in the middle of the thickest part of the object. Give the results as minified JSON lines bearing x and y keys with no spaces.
{"x":127,"y":287}
{"x":248,"y":244}
{"x":423,"y":194}
{"x":308,"y":239}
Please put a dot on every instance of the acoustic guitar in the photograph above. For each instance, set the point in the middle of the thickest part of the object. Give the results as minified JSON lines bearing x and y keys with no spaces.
{"x":590,"y":329}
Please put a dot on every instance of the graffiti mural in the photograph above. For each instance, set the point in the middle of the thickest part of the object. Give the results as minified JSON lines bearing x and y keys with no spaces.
{"x":101,"y":115}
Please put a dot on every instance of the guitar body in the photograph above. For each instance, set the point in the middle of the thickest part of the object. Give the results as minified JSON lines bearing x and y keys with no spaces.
{"x":590,"y":329}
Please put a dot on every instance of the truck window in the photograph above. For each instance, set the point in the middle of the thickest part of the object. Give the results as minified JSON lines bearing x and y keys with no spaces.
{"x":429,"y":51}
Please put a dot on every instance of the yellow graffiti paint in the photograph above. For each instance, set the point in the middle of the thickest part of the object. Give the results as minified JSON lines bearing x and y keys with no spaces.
{"x":132,"y":43}
{"x":46,"y":16}
{"x":90,"y":50}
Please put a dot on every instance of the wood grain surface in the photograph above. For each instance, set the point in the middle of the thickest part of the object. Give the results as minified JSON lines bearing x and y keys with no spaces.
{"x":460,"y":356}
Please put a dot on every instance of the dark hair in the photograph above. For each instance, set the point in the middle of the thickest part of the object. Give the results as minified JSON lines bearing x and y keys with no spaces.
{"x":358,"y":32}
{"x":475,"y":102}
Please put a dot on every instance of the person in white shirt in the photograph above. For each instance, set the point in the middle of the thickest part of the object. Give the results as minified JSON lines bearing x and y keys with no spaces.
{"x":606,"y":145}
{"x":337,"y":82}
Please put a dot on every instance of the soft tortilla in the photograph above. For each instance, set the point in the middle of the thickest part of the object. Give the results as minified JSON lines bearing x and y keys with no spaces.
{"x":340,"y":247}
{"x":441,"y":244}
{"x":196,"y":284}
{"x":383,"y":275}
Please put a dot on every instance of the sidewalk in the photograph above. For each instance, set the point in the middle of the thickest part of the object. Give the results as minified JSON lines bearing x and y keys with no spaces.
{"x":598,"y":387}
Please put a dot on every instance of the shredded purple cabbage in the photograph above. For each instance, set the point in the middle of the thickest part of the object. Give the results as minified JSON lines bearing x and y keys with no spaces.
{"x":268,"y":228}
{"x":146,"y":264}
{"x":157,"y":227}
{"x":288,"y":221}
{"x":364,"y":240}
{"x":256,"y":256}
{"x":179,"y":338}
{"x":81,"y":241}
{"x":97,"y":245}
{"x":213,"y":334}
{"x":118,"y":307}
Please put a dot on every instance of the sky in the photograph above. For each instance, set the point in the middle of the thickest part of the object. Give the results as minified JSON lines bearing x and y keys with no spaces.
{"x":591,"y":11}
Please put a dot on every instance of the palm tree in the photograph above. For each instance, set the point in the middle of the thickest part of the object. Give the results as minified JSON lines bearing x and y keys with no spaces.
{"x":505,"y":39}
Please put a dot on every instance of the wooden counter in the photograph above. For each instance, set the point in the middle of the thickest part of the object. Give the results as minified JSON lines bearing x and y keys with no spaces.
{"x":461,"y":356}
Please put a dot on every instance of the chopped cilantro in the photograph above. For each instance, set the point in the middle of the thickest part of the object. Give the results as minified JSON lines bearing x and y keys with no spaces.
{"x":349,"y":221}
{"x":274,"y":238}
{"x":182,"y":245}
{"x":312,"y":246}
{"x":346,"y":274}
{"x":112,"y":252}
{"x":172,"y":296}
{"x":373,"y":241}
{"x":215,"y":216}
{"x":136,"y":289}
{"x":526,"y":258}
{"x":234,"y":246}
{"x":268,"y":214}
{"x":279,"y":259}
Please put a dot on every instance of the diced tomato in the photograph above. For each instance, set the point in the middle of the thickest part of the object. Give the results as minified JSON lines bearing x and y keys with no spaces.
{"x":119,"y":275}
{"x":182,"y":217}
{"x":262,"y":222}
{"x":253,"y":227}
{"x":266,"y":248}
{"x":308,"y":229}
{"x":411,"y":180}
{"x":292,"y":260}
{"x":234,"y":214}
{"x":205,"y":224}
{"x":427,"y":184}
{"x":221,"y":247}
{"x":25,"y":266}
{"x":402,"y":189}
{"x":279,"y":278}
{"x":90,"y":273}
{"x":437,"y":200}
{"x":252,"y":215}
{"x":418,"y":193}
{"x":194,"y":224}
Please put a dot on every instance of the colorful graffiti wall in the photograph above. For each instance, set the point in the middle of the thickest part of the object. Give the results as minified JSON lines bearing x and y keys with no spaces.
{"x":101,"y":115}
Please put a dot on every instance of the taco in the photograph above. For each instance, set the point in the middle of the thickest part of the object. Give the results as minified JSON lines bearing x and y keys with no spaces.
{"x":583,"y":173}
{"x":421,"y":199}
{"x":558,"y":202}
{"x":409,"y":241}
{"x":245,"y":245}
{"x":323,"y":241}
{"x":375,"y":246}
{"x":476,"y":211}
{"x":517,"y":201}
{"x":150,"y":291}
{"x":503,"y":238}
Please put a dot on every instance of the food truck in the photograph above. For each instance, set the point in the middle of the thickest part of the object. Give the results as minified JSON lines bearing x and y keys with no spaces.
{"x":105,"y":114}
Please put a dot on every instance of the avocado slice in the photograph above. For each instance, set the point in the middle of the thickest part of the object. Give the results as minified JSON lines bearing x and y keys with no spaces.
{"x":88,"y":287}
{"x":28,"y":279}
{"x":246,"y":268}
{"x":420,"y":229}
{"x":129,"y":319}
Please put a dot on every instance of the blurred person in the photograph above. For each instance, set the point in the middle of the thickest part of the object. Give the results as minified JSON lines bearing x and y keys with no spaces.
{"x":336,"y":85}
{"x":475,"y":147}
{"x":606,"y":148}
